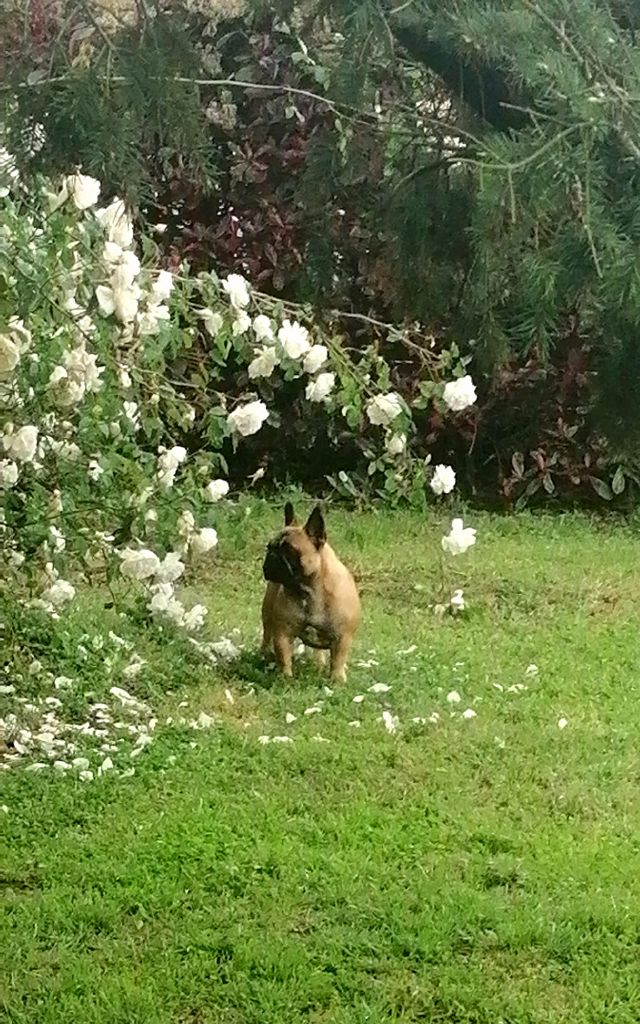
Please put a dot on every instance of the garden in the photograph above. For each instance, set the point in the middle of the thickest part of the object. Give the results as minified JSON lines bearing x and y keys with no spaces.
{"x":380,"y":258}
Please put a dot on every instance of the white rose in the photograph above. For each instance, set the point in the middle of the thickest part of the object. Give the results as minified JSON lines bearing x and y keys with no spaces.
{"x":203,"y":542}
{"x":320,"y":388}
{"x":294,"y":339}
{"x":126,"y":271}
{"x":132,"y":414}
{"x":149,"y":321}
{"x":238,"y":291}
{"x":170,"y":569}
{"x":396,"y":444}
{"x":194,"y":618}
{"x":94,"y":470}
{"x":162,"y":287}
{"x":262,"y":327}
{"x":139,"y":564}
{"x":68,"y":391}
{"x":459,"y":394}
{"x":214,"y":491}
{"x":168,"y":463}
{"x":10,"y":351}
{"x":23,"y":444}
{"x":241,"y":324}
{"x":57,"y":539}
{"x":117,"y":224}
{"x":315,"y":358}
{"x":84,"y":190}
{"x":125,"y":301}
{"x":8,"y":171}
{"x":59,"y":593}
{"x":8,"y":473}
{"x":164,"y":602}
{"x":112,"y":253}
{"x":383,"y":409}
{"x":248,"y":419}
{"x":120,"y":299}
{"x":443,"y":480}
{"x":264,"y":363}
{"x":172,"y":458}
{"x":186,"y":524}
{"x":212,"y":321}
{"x":20,"y":333}
{"x":82,"y":367}
{"x":459,"y":539}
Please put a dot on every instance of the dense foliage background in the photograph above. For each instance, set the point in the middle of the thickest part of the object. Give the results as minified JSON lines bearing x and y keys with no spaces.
{"x":465,"y":170}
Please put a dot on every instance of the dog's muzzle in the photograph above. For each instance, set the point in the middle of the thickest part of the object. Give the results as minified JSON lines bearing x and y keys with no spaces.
{"x":276,"y":569}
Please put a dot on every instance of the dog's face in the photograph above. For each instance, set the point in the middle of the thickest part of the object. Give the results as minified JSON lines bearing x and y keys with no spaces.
{"x":293,"y":556}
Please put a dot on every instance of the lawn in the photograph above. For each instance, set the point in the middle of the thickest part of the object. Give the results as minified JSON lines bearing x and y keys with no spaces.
{"x":478,"y":870}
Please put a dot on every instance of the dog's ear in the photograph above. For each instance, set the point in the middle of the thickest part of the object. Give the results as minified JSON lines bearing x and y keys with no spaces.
{"x":315,"y":528}
{"x":289,"y":515}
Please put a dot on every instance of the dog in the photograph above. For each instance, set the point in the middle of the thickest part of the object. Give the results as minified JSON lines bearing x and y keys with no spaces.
{"x":310,"y":595}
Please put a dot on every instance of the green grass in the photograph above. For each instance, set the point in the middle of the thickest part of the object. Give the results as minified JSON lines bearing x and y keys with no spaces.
{"x":481,"y":871}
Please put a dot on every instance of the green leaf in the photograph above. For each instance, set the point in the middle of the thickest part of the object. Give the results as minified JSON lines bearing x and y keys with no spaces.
{"x":601,"y":488}
{"x":619,"y":481}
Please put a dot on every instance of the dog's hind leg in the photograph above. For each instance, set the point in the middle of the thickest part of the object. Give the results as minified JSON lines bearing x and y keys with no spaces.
{"x":266,"y":648}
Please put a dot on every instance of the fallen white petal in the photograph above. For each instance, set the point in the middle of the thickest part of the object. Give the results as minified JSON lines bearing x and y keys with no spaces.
{"x":205,"y":721}
{"x":379,"y":688}
{"x":391,"y":722}
{"x":358,"y":699}
{"x":469,"y":713}
{"x":563,"y":723}
{"x":289,"y":718}
{"x":453,"y":697}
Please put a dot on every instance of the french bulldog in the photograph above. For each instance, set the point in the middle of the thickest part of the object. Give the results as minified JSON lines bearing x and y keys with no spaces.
{"x":310,"y":595}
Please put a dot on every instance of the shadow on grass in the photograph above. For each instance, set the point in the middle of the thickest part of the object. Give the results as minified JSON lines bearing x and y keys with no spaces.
{"x":253,"y":669}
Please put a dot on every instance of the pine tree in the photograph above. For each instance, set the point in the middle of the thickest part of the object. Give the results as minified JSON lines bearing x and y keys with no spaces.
{"x":548,"y":100}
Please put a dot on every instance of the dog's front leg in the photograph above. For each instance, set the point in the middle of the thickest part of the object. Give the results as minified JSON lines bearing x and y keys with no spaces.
{"x":339,"y":654}
{"x":283,"y":648}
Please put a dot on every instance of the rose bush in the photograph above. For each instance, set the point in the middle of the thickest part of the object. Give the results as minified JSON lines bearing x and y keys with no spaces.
{"x":127,"y":388}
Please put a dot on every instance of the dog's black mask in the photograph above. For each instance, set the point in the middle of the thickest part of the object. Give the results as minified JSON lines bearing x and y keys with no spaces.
{"x":282,"y":565}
